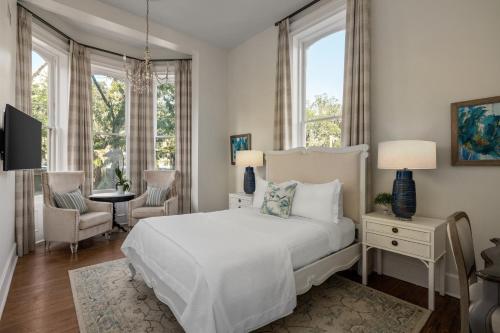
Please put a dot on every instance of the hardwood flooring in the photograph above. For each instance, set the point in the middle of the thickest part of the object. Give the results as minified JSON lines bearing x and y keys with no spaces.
{"x":40,"y":298}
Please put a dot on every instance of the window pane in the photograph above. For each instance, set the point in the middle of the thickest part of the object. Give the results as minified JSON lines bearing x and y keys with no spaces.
{"x":108,"y":107}
{"x":109,"y":153}
{"x":323,"y":133}
{"x":165,"y":152}
{"x":40,"y":108}
{"x":165,"y":126}
{"x":324,"y":88}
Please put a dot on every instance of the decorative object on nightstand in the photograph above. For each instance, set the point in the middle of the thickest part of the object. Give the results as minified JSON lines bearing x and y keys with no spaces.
{"x":240,"y":200}
{"x":384,"y":200}
{"x":423,"y":239}
{"x":402,"y":156}
{"x":249,"y":159}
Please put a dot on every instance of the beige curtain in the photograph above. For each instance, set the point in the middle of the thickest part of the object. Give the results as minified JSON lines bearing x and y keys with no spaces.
{"x":141,"y":142}
{"x":24,"y":197}
{"x":80,"y":150}
{"x":356,"y":101}
{"x":183,"y":136}
{"x":283,"y":99}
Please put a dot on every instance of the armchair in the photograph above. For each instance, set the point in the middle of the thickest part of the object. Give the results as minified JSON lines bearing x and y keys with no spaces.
{"x":67,"y":225}
{"x":137,"y":208}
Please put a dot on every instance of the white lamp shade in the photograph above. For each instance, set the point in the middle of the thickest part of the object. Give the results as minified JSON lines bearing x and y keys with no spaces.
{"x":409,"y":154}
{"x":249,"y":158}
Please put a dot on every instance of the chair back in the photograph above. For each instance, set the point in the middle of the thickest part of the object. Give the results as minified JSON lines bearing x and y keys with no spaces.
{"x":60,"y":182}
{"x":163,"y":179}
{"x":462,"y":248}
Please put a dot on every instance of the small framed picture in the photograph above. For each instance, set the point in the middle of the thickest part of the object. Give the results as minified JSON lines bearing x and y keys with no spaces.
{"x":239,"y":142}
{"x":474,"y":132}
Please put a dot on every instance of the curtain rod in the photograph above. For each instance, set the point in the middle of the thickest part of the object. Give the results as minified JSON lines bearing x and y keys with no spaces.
{"x":85,"y":45}
{"x":298,"y":11}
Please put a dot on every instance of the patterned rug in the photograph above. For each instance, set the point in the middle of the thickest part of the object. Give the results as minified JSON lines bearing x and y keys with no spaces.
{"x":106,"y":301}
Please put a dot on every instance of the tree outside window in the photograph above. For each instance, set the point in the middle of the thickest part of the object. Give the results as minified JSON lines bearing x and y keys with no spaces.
{"x":109,"y":133}
{"x":165,"y":141}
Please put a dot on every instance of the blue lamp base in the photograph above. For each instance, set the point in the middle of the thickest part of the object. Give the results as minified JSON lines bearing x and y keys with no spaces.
{"x":249,"y":181}
{"x":404,"y":200}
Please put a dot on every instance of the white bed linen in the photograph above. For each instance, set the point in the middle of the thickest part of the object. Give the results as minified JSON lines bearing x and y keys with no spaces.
{"x":229,"y":271}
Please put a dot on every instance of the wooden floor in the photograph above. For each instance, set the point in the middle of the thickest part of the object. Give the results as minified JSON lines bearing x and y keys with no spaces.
{"x":40,"y":298}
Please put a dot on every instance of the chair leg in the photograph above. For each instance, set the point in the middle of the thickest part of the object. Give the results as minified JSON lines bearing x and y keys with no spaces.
{"x":73,"y":247}
{"x":107,"y":235}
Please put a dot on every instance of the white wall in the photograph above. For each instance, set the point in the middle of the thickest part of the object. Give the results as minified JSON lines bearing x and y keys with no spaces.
{"x":210,"y":151}
{"x":426,"y":54}
{"x":7,"y":75}
{"x":250,"y":84}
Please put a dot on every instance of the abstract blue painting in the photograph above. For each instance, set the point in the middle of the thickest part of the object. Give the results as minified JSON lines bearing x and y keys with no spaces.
{"x":239,"y":142}
{"x":477,"y":133}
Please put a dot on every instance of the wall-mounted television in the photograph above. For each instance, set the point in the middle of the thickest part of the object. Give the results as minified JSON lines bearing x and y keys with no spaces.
{"x":20,"y":141}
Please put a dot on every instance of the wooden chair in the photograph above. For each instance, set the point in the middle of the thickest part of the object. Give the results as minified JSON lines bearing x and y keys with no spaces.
{"x":460,"y":236}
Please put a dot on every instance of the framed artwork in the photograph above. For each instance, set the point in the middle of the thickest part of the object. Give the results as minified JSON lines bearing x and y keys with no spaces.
{"x":239,"y":142}
{"x":475,"y":132}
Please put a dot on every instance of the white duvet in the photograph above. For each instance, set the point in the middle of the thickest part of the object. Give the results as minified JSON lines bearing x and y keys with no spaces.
{"x":228,"y":271}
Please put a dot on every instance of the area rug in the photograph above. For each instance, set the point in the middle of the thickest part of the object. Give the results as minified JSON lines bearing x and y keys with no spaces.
{"x":106,"y":301}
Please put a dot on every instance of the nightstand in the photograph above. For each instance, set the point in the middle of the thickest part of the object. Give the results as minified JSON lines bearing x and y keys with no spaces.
{"x":240,"y":200}
{"x":421,"y":238}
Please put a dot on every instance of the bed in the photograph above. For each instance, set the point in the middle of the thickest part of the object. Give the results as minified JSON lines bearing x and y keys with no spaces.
{"x":237,"y":270}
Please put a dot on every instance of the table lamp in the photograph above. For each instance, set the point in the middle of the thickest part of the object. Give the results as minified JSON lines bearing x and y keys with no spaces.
{"x":249,"y":159}
{"x":402,"y":156}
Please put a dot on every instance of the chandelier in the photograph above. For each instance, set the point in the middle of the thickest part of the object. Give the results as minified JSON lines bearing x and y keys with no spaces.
{"x":140,"y":77}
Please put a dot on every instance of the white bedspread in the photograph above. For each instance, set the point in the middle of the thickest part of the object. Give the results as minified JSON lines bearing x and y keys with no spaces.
{"x":222,"y":276}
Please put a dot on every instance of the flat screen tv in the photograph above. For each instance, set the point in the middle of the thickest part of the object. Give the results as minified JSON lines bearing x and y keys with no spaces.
{"x":22,"y":141}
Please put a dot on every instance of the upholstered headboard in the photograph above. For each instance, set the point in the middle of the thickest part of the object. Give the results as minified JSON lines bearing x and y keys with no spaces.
{"x":321,"y":165}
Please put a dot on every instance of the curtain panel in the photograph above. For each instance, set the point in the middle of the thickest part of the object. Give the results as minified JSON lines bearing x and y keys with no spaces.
{"x":141,"y":138}
{"x":24,"y":186}
{"x":80,"y":148}
{"x":283,"y":98}
{"x":356,"y":100}
{"x":183,"y":133}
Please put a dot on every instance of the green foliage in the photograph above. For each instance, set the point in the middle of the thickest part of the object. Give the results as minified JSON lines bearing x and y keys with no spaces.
{"x":122,"y":180}
{"x":40,"y":107}
{"x":165,"y":142}
{"x":383,"y":199}
{"x":323,"y":122}
{"x":108,"y":107}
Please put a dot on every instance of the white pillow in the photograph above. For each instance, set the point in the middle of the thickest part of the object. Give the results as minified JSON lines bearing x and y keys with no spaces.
{"x":261,"y":188}
{"x":321,"y":202}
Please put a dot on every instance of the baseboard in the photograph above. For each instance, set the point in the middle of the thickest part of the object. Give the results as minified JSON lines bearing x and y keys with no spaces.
{"x":413,"y":271}
{"x":6,"y":278}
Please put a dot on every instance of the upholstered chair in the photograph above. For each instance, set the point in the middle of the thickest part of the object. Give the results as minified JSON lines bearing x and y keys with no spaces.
{"x":460,"y":236}
{"x":137,"y":208}
{"x":67,"y":225}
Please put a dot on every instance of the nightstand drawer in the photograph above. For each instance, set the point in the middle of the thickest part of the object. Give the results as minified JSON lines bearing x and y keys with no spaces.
{"x":397,"y":244}
{"x":393,"y":231}
{"x":239,"y":202}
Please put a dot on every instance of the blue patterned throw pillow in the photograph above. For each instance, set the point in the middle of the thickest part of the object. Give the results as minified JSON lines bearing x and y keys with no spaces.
{"x":71,"y":200}
{"x":156,"y":196}
{"x":278,"y":199}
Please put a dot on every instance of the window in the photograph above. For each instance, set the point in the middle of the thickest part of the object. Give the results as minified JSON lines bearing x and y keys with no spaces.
{"x":165,"y":131}
{"x":317,"y":81}
{"x":109,"y":128}
{"x":40,"y":103}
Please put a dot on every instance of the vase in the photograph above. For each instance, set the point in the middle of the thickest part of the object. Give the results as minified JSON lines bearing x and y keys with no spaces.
{"x":249,"y":181}
{"x":119,"y":189}
{"x":404,"y":201}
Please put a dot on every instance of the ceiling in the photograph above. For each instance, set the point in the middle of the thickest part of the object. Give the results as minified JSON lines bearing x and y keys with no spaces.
{"x":224,"y":23}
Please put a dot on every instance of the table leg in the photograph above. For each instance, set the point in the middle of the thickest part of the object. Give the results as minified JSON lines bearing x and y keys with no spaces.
{"x":430,"y":301}
{"x":365,"y":264}
{"x":116,"y":224}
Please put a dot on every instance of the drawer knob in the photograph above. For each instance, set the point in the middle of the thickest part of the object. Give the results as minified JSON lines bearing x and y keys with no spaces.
{"x":395,"y":230}
{"x":239,"y":200}
{"x":394,"y":242}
